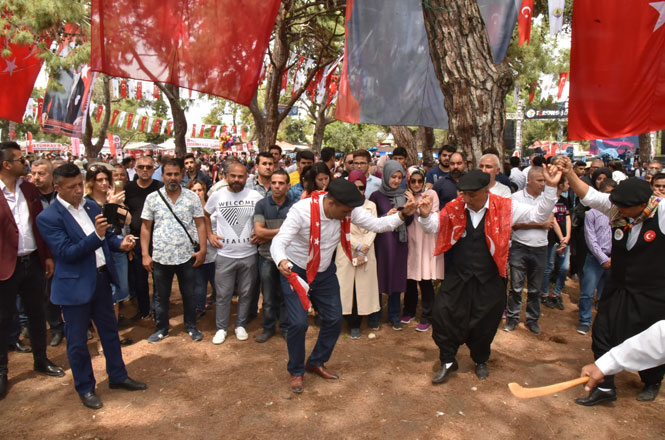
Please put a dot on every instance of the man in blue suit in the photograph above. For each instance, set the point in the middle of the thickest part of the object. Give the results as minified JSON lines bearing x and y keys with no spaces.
{"x":80,"y":241}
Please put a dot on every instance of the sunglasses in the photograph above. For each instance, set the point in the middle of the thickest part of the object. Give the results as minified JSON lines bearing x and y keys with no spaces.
{"x":144,"y":167}
{"x":361,"y":188}
{"x":22,"y":159}
{"x":415,"y":181}
{"x":349,"y":162}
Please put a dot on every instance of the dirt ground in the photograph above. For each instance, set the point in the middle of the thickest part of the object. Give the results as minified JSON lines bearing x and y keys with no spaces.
{"x":239,"y":390}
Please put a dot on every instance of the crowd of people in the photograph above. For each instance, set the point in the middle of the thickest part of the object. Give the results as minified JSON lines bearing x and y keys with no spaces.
{"x":335,"y":238}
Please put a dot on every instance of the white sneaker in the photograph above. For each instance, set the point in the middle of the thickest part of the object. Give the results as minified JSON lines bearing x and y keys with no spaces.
{"x":219,"y":337}
{"x":241,"y":334}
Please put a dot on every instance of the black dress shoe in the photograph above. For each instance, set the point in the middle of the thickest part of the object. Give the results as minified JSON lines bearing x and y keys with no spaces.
{"x":265,"y":335}
{"x":597,"y":396}
{"x":49,"y":368}
{"x":649,"y":392}
{"x":128,"y":384}
{"x":20,"y":347}
{"x":56,"y":339}
{"x":482,"y":371}
{"x":444,"y":373}
{"x":91,"y":400}
{"x":3,"y":386}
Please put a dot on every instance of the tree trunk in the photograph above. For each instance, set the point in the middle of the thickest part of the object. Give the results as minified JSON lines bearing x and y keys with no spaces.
{"x":172,"y":93}
{"x":405,"y":138}
{"x":473,"y":86}
{"x":645,"y":147}
{"x":322,"y":120}
{"x":425,"y":141}
{"x":92,"y":150}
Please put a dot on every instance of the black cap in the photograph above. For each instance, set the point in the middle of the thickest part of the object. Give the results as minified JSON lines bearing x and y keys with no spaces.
{"x":473,"y":181}
{"x":631,"y":192}
{"x":345,"y":193}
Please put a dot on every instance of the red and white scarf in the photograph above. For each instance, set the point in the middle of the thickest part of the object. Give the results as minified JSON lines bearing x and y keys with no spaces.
{"x":314,"y":259}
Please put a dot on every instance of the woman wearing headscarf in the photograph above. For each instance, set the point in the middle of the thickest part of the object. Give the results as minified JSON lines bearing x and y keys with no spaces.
{"x":359,"y":286}
{"x":391,"y":247}
{"x":422,"y":267}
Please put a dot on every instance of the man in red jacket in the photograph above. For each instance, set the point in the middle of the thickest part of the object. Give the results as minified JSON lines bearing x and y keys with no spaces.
{"x":25,"y":260}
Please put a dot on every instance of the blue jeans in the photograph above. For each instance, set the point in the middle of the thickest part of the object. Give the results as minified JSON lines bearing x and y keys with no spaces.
{"x":394,"y":310}
{"x":324,"y":294}
{"x":139,"y":276}
{"x":560,"y":260}
{"x":163,"y":276}
{"x":205,"y":274}
{"x":594,"y":279}
{"x":120,"y":290}
{"x":274,"y":307}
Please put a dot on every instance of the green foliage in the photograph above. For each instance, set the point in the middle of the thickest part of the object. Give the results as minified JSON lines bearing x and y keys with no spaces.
{"x":346,"y":137}
{"x":296,"y":131}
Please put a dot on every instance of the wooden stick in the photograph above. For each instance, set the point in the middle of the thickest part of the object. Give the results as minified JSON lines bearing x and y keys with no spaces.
{"x":527,"y":393}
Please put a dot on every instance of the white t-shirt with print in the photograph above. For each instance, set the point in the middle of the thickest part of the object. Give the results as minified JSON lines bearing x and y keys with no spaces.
{"x":235,"y":214}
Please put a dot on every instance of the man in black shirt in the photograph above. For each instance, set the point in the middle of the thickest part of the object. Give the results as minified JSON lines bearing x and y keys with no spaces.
{"x":135,"y":195}
{"x":446,"y":186}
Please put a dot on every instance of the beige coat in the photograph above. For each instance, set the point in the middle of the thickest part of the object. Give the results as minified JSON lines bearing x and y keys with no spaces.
{"x":366,"y":281}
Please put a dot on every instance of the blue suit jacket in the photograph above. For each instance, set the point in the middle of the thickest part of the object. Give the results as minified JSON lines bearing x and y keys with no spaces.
{"x":75,"y":276}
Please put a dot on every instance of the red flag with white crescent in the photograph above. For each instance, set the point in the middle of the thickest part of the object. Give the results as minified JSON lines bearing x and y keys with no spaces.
{"x":193,"y":130}
{"x":114,"y":116}
{"x":563,"y":77}
{"x":100,"y":109}
{"x":130,"y":118}
{"x":524,"y":21}
{"x":169,"y":127}
{"x":301,"y":288}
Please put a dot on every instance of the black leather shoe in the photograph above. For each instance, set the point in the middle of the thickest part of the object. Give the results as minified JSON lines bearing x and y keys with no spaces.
{"x":49,"y":368}
{"x":3,"y":386}
{"x":91,"y":400}
{"x":265,"y":335}
{"x":482,"y":371}
{"x":128,"y":384}
{"x":597,"y":396}
{"x":56,"y":339}
{"x":649,"y":392}
{"x":444,"y":373}
{"x":20,"y":347}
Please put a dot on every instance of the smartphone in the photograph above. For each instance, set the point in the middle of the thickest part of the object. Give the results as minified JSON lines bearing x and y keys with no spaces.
{"x":110,"y":212}
{"x":119,"y":185}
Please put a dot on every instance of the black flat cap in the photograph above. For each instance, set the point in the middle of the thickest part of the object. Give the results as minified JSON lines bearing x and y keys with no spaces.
{"x":473,"y":181}
{"x":345,"y":193}
{"x":631,"y":192}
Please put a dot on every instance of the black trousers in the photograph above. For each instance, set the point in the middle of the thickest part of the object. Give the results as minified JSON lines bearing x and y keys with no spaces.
{"x":467,"y":312}
{"x":29,"y":281}
{"x":411,"y":299}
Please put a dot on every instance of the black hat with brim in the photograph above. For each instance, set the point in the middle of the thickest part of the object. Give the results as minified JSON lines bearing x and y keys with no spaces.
{"x":631,"y":192}
{"x":473,"y":181}
{"x":346,"y":193}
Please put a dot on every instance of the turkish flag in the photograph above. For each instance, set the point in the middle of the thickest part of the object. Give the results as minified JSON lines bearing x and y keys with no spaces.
{"x":123,"y":89}
{"x":193,"y":130}
{"x":112,"y":145}
{"x":100,"y":109}
{"x":563,"y":77}
{"x":18,"y":73}
{"x":169,"y":127}
{"x":139,"y":90}
{"x":130,"y":118}
{"x":524,"y":21}
{"x":144,"y":120}
{"x":182,"y":36}
{"x":617,"y":68}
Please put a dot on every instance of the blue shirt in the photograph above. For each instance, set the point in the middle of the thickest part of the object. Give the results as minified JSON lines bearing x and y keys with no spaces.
{"x":199,"y":176}
{"x":446,"y":189}
{"x":435,"y":174}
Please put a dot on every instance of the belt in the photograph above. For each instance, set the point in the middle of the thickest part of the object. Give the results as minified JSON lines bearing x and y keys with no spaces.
{"x":101,"y":269}
{"x":25,"y":258}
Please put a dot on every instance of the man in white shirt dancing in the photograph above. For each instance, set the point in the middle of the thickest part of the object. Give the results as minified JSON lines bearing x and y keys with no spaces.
{"x":304,"y":246}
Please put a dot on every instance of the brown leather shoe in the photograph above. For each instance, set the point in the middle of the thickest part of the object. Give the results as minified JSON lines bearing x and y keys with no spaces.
{"x":296,"y":384}
{"x":322,"y":371}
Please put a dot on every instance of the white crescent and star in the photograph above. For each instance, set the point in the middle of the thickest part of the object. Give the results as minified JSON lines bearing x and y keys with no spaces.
{"x":660,"y":7}
{"x":528,"y":13}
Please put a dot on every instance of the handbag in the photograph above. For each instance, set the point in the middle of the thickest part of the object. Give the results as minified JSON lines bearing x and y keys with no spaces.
{"x":195,"y":245}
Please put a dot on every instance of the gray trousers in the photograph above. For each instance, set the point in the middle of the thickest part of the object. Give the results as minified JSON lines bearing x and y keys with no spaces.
{"x":526,"y":264}
{"x":228,"y":272}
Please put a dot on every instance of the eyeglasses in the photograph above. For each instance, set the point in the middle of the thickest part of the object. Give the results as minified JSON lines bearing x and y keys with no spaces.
{"x":360,"y":163}
{"x":144,"y":167}
{"x":22,"y":159}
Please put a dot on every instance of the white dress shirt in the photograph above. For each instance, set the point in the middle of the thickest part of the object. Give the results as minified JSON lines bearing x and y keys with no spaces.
{"x":601,"y":202}
{"x":533,"y":237}
{"x":499,"y":189}
{"x":84,"y":221}
{"x":19,"y":208}
{"x":518,"y":177}
{"x":292,"y":241}
{"x":520,"y":212}
{"x":641,"y":352}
